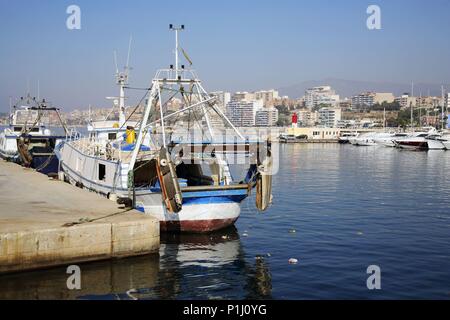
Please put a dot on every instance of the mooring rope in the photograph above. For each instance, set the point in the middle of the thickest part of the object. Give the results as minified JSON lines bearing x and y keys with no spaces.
{"x":88,"y":220}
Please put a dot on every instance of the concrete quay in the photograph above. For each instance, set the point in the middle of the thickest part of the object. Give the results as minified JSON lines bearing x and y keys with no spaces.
{"x":46,"y":223}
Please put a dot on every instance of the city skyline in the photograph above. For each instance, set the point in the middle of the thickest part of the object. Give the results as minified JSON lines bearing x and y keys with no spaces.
{"x":232,"y":45}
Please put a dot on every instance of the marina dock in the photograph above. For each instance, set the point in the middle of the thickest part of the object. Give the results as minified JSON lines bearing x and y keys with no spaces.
{"x":46,"y":223}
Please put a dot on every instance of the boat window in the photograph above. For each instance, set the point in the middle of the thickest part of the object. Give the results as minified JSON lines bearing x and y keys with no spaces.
{"x":101,"y":172}
{"x":112,"y":136}
{"x":19,"y":129}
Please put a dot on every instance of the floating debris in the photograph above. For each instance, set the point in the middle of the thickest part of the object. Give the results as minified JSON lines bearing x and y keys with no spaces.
{"x":245,"y":234}
{"x":293,"y":261}
{"x":359,"y":233}
{"x":292,"y":231}
{"x":269,"y":255}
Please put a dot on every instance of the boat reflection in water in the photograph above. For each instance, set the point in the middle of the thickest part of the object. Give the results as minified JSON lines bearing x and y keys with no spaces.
{"x":208,"y":266}
{"x":205,"y":266}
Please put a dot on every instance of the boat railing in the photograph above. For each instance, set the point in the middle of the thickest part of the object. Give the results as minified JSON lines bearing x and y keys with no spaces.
{"x":102,"y":149}
{"x":73,"y":135}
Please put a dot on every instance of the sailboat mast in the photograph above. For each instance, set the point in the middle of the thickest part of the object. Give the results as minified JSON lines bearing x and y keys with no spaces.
{"x":443,"y":103}
{"x":10,"y":111}
{"x":411,"y":104}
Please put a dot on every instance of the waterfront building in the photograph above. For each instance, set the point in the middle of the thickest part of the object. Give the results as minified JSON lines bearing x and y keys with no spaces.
{"x":223,"y":98}
{"x":244,"y":96}
{"x":267,"y":96}
{"x":266,"y":117}
{"x":323,"y":95}
{"x":329,"y":117}
{"x":368,"y":99}
{"x":315,"y":133}
{"x":345,"y":104}
{"x":242,"y":113}
{"x":406,"y":101}
{"x":307,"y":118}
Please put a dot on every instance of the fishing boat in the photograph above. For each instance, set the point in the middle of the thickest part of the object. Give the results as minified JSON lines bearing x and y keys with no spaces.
{"x":182,"y":179}
{"x":27,"y":140}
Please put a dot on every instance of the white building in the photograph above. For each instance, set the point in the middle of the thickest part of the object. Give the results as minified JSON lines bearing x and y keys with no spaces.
{"x":323,"y":95}
{"x":243,"y":113}
{"x":223,"y":98}
{"x":307,"y":118}
{"x":406,"y":101}
{"x":244,"y":96}
{"x":330,"y":117}
{"x":266,"y":117}
{"x":267,"y":96}
{"x":368,"y":99}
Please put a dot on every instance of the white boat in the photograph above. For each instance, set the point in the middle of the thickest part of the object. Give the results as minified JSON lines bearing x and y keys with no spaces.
{"x":421,"y":141}
{"x":27,"y":140}
{"x":388,"y":140}
{"x":364,"y":139}
{"x":346,"y":137}
{"x":186,"y":184}
{"x":445,"y":140}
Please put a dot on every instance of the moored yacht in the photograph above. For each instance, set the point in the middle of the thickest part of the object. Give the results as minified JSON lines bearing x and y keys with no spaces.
{"x":445,"y":140}
{"x":420,"y":141}
{"x":364,"y":139}
{"x":346,"y":137}
{"x":388,"y":139}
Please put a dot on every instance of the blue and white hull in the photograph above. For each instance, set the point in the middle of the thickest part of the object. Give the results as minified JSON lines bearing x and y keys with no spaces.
{"x":203,"y":210}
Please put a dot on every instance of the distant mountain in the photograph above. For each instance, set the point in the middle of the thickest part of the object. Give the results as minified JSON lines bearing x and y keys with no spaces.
{"x":349,"y":88}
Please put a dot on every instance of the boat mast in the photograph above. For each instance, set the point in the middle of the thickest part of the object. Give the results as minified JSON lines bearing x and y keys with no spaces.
{"x":176,"y":29}
{"x":411,"y":104}
{"x":420,"y":110}
{"x":442,"y":107}
{"x":122,"y":82}
{"x":10,"y":111}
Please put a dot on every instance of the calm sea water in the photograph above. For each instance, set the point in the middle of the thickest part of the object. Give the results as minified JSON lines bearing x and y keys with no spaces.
{"x":350,"y":208}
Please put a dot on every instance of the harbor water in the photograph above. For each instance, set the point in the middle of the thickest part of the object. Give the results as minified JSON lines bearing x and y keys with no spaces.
{"x":337,"y":210}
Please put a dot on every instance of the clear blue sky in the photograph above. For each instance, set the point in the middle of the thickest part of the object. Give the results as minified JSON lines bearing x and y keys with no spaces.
{"x":235,"y":45}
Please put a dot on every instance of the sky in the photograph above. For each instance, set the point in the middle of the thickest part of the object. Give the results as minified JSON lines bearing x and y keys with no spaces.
{"x":234,"y":45}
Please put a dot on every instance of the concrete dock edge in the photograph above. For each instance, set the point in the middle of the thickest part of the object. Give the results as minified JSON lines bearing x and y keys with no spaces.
{"x":33,"y":214}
